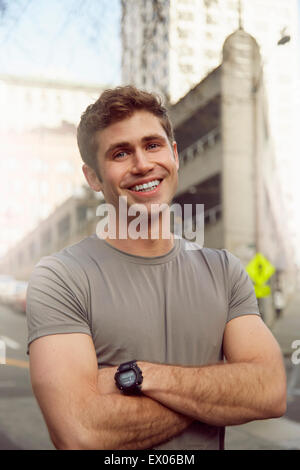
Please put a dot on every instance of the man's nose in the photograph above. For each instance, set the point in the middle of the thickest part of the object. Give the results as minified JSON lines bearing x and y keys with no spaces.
{"x":141,"y":162}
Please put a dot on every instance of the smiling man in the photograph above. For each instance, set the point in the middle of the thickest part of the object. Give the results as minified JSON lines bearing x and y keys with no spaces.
{"x":140,"y":163}
{"x":144,"y":343}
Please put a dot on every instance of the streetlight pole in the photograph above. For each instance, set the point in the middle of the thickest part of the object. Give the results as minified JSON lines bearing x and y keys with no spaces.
{"x":240,"y":14}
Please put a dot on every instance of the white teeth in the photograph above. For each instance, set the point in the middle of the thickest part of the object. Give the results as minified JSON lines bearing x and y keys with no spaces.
{"x":146,"y":186}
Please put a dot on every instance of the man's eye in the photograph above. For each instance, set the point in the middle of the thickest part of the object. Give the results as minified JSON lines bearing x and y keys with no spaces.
{"x":153,"y":145}
{"x":120,"y":155}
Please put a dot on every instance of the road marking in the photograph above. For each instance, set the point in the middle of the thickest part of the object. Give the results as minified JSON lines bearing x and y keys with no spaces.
{"x":2,"y":352}
{"x":17,"y":363}
{"x":11,"y":343}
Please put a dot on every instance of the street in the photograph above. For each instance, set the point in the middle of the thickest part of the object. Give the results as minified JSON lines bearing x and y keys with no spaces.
{"x":21,"y":422}
{"x":22,"y":425}
{"x":293,"y":403}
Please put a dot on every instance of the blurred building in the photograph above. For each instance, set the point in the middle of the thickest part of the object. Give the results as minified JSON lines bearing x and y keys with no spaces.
{"x":40,"y":165}
{"x":227,"y":163}
{"x":73,"y":220}
{"x":170,"y":45}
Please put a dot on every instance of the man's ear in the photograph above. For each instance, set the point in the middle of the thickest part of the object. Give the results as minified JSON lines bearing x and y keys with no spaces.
{"x":175,"y":153}
{"x":92,"y":178}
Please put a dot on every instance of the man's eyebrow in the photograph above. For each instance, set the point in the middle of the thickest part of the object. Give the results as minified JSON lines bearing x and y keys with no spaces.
{"x":153,"y":137}
{"x":126,"y":144}
{"x":115,"y":146}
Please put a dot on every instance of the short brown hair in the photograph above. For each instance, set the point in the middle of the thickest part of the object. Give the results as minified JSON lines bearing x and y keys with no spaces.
{"x":112,"y":106}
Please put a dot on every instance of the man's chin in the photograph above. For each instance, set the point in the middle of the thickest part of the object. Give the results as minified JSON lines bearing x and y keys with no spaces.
{"x":133,"y":207}
{"x":148,"y":208}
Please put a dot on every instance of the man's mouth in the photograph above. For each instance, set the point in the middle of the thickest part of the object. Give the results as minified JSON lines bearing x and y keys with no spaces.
{"x":146,"y":187}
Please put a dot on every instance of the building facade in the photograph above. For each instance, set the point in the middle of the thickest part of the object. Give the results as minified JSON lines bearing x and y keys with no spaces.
{"x":226,"y":163}
{"x":170,"y":45}
{"x":40,"y":165}
{"x":67,"y":224}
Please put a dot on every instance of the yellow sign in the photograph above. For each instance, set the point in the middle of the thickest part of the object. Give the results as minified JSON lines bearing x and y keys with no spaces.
{"x":260,"y":270}
{"x":262,"y":291}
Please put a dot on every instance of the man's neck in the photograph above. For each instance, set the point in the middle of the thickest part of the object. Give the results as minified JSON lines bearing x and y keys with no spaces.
{"x":154,"y":238}
{"x":140,"y":247}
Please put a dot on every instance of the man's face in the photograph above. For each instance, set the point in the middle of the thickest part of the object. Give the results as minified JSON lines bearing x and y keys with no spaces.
{"x":133,"y":152}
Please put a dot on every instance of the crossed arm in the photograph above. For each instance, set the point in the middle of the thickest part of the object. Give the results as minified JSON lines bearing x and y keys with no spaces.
{"x":250,"y":386}
{"x":83,"y":408}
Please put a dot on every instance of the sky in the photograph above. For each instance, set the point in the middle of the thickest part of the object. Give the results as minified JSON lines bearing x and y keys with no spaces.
{"x":73,"y":40}
{"x":62,"y":39}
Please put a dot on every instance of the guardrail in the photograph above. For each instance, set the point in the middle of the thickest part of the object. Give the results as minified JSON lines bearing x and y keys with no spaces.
{"x":200,"y":146}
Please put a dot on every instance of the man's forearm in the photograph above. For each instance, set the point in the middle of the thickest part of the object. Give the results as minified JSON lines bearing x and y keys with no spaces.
{"x":114,"y":421}
{"x":222,"y":394}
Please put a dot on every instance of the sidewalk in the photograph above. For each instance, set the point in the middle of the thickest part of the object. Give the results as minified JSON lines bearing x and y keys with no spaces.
{"x":287,"y":328}
{"x":281,"y":433}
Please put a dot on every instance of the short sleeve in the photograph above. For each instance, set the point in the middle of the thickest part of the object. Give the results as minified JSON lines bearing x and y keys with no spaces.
{"x":56,"y":301}
{"x":242,"y":298}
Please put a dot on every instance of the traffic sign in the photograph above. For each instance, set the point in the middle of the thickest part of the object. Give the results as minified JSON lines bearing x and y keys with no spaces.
{"x":262,"y":291}
{"x":260,"y":269}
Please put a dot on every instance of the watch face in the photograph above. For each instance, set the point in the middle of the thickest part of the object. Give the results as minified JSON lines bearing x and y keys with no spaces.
{"x":127,"y":378}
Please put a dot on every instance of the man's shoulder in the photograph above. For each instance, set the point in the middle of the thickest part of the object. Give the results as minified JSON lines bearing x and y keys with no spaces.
{"x":72,"y":258}
{"x":220,"y":255}
{"x":219,"y":262}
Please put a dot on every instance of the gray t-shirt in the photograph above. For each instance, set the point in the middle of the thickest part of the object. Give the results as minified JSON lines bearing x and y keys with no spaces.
{"x":170,"y":309}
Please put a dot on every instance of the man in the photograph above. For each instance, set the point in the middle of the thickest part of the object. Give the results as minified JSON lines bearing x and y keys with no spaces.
{"x":102,"y":303}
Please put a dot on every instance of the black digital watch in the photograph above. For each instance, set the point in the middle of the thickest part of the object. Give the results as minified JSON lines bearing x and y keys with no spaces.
{"x":129,"y":378}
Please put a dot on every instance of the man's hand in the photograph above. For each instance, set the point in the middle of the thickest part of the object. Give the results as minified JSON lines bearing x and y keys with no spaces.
{"x":250,"y":386}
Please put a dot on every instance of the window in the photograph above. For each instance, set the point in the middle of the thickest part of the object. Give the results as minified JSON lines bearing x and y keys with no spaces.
{"x":186,"y":68}
{"x":46,"y":238}
{"x":233,"y":5}
{"x":185,"y":15}
{"x":31,"y":250}
{"x":39,"y":165}
{"x":183,"y":33}
{"x":20,"y":258}
{"x":81,"y":213}
{"x":210,"y":19}
{"x":209,"y":3}
{"x":185,"y":51}
{"x":186,"y":2}
{"x":210,"y":54}
{"x":64,"y":226}
{"x":64,"y":166}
